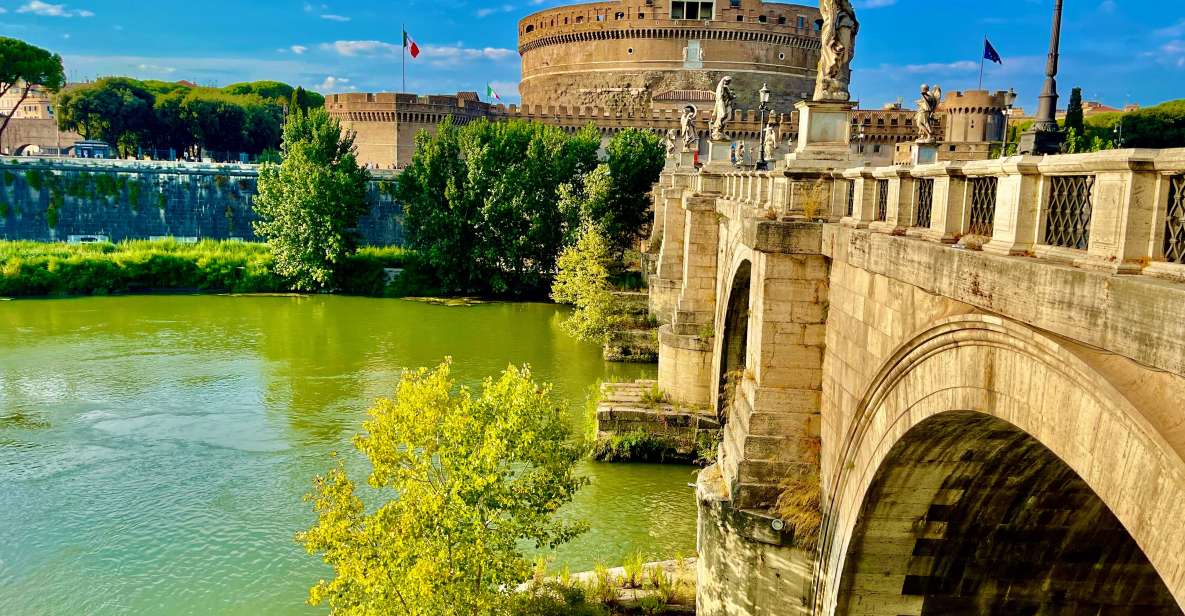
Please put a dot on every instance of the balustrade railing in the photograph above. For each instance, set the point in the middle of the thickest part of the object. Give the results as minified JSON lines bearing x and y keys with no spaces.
{"x":983,"y":206}
{"x":1174,"y":224}
{"x":1068,"y":213}
{"x":882,"y":200}
{"x":925,"y":202}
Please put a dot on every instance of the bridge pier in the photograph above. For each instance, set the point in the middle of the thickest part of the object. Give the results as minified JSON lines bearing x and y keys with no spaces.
{"x":667,"y":281}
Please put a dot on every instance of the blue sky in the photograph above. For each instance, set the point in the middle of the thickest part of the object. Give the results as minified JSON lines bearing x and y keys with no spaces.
{"x":1119,"y":51}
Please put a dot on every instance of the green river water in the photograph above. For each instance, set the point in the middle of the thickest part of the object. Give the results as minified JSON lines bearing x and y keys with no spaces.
{"x":154,"y":450}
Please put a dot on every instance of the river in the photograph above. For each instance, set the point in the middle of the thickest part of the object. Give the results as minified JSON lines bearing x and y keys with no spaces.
{"x":154,"y":450}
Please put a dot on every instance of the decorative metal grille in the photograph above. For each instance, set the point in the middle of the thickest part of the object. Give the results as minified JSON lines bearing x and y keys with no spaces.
{"x":882,"y":200}
{"x":1174,"y":224}
{"x":983,"y":206}
{"x":851,"y":197}
{"x":1067,"y":222}
{"x":925,"y":202}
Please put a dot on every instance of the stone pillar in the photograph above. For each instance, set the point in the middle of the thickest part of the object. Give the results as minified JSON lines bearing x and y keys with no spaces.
{"x":899,"y":206}
{"x":948,"y":201}
{"x":668,"y":279}
{"x":685,"y":346}
{"x":1018,"y":197}
{"x":864,"y":199}
{"x":824,"y":131}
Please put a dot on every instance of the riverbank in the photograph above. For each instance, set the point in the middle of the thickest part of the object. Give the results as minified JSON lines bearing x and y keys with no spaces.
{"x":40,"y":269}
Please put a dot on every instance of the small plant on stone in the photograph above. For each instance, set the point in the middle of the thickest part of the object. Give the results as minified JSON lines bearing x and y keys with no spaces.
{"x":604,"y":587}
{"x":652,"y":605}
{"x":635,"y":569}
{"x":664,"y":585}
{"x":654,"y":396}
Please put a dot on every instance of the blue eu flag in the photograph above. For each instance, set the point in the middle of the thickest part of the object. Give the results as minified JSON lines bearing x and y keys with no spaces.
{"x":990,"y":53}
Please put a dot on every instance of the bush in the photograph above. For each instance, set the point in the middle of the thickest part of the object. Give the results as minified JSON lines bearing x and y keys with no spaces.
{"x":636,"y":446}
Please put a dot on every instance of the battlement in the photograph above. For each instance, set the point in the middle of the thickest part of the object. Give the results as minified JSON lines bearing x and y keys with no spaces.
{"x":974,"y":101}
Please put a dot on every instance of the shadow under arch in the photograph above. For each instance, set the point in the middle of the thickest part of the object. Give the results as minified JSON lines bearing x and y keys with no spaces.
{"x":970,"y":515}
{"x":734,"y":342}
{"x":1028,"y":381}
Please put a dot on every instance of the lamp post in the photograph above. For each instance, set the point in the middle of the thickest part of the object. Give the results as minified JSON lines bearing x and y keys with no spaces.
{"x":1009,"y":103}
{"x":762,"y":164}
{"x":1045,"y":137}
{"x":1118,"y":131}
{"x":860,"y":137}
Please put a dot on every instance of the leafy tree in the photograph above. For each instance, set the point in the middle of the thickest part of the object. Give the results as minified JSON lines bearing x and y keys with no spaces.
{"x":309,"y":205}
{"x":161,"y":88}
{"x":172,"y":122}
{"x":1074,"y":116}
{"x":117,"y":110}
{"x":636,"y":158}
{"x":480,"y":202}
{"x":23,"y":66}
{"x":464,"y":479}
{"x":582,"y":281}
{"x":271,"y":90}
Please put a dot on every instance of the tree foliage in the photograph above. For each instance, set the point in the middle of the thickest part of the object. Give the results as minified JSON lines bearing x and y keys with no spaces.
{"x":1074,"y":115}
{"x":636,"y":158}
{"x":309,"y":205}
{"x":23,"y":66}
{"x":244,"y":117}
{"x":464,"y":479}
{"x":480,"y":202}
{"x":117,"y":110}
{"x":582,"y":281}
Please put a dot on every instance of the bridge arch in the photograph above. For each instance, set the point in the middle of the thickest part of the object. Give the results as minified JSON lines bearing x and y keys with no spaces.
{"x":734,"y":340}
{"x":970,"y":429}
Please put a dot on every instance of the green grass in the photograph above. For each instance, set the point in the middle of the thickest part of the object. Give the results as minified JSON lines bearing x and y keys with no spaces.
{"x":30,"y":269}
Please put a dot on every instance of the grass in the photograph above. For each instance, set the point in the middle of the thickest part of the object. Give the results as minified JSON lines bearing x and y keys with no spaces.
{"x":636,"y":446}
{"x":31,"y":269}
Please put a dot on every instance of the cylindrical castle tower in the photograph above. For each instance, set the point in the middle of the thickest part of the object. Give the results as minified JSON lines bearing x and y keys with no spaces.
{"x":636,"y":55}
{"x":975,"y":116}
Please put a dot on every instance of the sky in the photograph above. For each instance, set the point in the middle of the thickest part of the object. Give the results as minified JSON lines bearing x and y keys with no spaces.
{"x":1118,"y":51}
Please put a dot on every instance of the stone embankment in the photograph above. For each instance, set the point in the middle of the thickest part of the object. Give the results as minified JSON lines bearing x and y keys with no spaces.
{"x":636,"y":341}
{"x":636,"y":422}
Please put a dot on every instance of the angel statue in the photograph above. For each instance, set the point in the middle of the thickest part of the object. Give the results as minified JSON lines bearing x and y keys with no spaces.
{"x":687,"y":128}
{"x":726,"y":102}
{"x":839,"y":47}
{"x":770,"y":141}
{"x":671,"y":143}
{"x":927,"y":108}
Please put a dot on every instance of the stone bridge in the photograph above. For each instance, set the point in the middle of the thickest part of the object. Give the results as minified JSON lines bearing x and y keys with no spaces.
{"x":31,"y":136}
{"x":949,"y":388}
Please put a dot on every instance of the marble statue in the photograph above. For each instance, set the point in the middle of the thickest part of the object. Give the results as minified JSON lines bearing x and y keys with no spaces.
{"x":671,"y":143}
{"x":688,"y":133}
{"x":726,"y":102}
{"x":927,"y":109}
{"x":770,"y":141}
{"x":741,"y":155}
{"x":838,"y":48}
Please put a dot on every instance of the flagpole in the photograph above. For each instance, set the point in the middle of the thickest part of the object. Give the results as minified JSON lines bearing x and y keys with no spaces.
{"x":404,"y":28}
{"x":982,"y":57}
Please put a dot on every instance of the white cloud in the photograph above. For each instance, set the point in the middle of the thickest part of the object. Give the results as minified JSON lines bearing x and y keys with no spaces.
{"x":37,"y":7}
{"x":332,"y":83}
{"x":940,"y":67}
{"x":361,"y":48}
{"x":876,"y":4}
{"x":156,"y":68}
{"x":298,"y":49}
{"x":332,"y":17}
{"x":505,"y":8}
{"x":454,"y":55}
{"x":3,"y":10}
{"x":1175,"y":30}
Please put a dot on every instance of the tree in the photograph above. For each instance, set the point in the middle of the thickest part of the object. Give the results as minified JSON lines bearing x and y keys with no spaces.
{"x":582,"y":281}
{"x":309,"y":204}
{"x":1074,"y":116}
{"x":117,"y":110}
{"x":636,"y":158}
{"x":22,"y":67}
{"x":480,"y":202}
{"x":464,"y":480}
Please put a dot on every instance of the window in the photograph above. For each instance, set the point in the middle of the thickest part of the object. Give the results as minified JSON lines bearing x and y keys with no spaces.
{"x":782,"y":56}
{"x":641,"y":15}
{"x":876,"y":149}
{"x":781,"y":20}
{"x":818,"y":25}
{"x":688,"y":9}
{"x":619,"y":15}
{"x":740,"y":18}
{"x":600,"y":18}
{"x":580,"y":19}
{"x":630,"y":51}
{"x":801,"y":22}
{"x":530,"y":29}
{"x":762,"y":19}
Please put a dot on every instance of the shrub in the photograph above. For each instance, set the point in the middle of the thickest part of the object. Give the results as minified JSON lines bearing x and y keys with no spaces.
{"x":636,"y":446}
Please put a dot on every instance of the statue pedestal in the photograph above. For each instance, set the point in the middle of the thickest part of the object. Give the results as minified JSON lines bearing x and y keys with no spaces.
{"x":685,"y":159}
{"x":719,"y":156}
{"x":824,"y":130}
{"x":923,"y":153}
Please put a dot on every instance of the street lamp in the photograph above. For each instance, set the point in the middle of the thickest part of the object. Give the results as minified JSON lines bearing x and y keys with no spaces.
{"x":1118,"y":131}
{"x":1045,"y":137}
{"x":1009,"y":102}
{"x":860,"y":137}
{"x":762,"y":164}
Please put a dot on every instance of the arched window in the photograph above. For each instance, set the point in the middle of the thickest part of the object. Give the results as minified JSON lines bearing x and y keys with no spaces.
{"x":530,"y":28}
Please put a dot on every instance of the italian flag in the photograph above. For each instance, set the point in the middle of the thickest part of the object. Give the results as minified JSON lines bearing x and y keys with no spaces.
{"x":490,"y":93}
{"x":410,"y":45}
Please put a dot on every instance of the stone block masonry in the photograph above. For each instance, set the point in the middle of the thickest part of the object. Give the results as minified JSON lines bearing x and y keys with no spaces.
{"x":640,"y":410}
{"x":49,"y":200}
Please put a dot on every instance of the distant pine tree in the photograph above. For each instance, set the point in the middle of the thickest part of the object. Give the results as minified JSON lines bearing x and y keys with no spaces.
{"x":1074,"y":116}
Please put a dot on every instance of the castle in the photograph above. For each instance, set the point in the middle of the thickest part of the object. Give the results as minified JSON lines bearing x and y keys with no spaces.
{"x":637,"y":63}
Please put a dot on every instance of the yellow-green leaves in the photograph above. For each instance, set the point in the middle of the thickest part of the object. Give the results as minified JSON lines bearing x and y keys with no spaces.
{"x":465,"y":478}
{"x":582,"y":281}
